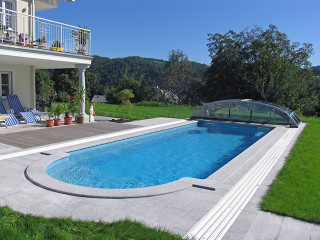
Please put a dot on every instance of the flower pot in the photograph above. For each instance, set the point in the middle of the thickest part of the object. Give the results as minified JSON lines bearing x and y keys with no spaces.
{"x":68,"y":121}
{"x":80,"y":120}
{"x":49,"y":123}
{"x":42,"y":46}
{"x":57,"y":122}
{"x":58,"y":49}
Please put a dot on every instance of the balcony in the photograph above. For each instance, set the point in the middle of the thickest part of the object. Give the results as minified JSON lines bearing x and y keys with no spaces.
{"x":27,"y":31}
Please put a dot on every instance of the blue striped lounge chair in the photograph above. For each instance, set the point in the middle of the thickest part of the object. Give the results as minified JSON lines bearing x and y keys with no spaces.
{"x":15,"y":105}
{"x":12,"y":118}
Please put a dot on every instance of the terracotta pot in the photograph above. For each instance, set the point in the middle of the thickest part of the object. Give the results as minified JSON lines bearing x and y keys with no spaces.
{"x":80,"y":120}
{"x":57,"y":122}
{"x":68,"y":121}
{"x":49,"y":123}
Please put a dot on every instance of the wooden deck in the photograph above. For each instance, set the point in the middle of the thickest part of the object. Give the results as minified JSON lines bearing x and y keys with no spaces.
{"x":40,"y":137}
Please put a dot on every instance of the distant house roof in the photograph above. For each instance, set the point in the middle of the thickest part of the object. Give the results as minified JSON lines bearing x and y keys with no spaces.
{"x":168,"y":95}
{"x":99,"y":99}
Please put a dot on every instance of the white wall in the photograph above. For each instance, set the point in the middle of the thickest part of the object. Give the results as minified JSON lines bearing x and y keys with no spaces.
{"x":22,"y":82}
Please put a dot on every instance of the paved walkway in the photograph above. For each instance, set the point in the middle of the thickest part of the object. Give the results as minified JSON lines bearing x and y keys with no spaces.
{"x":177,"y":212}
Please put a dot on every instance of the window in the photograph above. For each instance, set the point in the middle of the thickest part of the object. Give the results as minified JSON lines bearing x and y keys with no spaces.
{"x":5,"y":83}
{"x":7,"y":16}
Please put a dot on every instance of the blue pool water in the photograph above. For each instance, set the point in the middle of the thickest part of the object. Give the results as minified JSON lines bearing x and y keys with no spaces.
{"x":195,"y":150}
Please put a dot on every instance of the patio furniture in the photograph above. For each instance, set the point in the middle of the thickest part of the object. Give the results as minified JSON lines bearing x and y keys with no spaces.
{"x":11,"y":36}
{"x":16,"y":107}
{"x":39,"y":114}
{"x":9,"y":119}
{"x":3,"y":119}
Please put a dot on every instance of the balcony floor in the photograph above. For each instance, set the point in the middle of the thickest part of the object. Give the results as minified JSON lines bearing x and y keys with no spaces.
{"x":40,"y":58}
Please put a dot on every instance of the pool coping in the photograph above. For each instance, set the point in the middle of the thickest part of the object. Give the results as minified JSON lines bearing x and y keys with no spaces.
{"x":36,"y":173}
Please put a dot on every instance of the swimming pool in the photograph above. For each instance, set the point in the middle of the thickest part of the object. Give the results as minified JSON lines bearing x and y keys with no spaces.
{"x":195,"y":150}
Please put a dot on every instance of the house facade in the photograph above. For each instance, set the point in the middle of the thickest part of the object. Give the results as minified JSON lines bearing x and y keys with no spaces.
{"x":28,"y":43}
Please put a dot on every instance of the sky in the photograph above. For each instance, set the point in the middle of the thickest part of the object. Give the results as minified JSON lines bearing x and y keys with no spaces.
{"x":152,"y":28}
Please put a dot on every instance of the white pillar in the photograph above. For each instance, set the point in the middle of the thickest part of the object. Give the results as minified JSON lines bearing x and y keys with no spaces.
{"x":34,"y":93}
{"x":82,"y":83}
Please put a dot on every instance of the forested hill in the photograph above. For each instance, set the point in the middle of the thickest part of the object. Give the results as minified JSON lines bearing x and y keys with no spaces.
{"x":316,"y":70}
{"x":146,"y":70}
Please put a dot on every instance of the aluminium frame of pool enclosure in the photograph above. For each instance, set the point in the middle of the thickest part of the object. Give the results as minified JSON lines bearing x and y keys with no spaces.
{"x":247,"y":110}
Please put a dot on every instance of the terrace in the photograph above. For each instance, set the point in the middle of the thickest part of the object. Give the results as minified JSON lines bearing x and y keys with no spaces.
{"x":23,"y":30}
{"x":177,"y":212}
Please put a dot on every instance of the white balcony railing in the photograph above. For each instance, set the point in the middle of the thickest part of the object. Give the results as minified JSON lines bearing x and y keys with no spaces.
{"x":30,"y":31}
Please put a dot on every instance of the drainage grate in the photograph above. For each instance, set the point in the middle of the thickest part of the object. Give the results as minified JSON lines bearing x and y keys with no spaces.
{"x":203,"y":187}
{"x":46,"y":154}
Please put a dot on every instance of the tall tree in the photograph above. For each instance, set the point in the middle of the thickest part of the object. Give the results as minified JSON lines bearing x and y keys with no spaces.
{"x":178,"y":74}
{"x":44,"y":89}
{"x":262,"y":65}
{"x":139,"y":89}
{"x":67,"y":83}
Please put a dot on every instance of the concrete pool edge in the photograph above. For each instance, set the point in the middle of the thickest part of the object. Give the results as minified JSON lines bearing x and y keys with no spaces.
{"x":36,"y":173}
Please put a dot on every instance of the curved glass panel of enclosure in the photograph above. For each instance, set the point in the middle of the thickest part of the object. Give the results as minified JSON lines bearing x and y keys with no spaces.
{"x":248,"y":110}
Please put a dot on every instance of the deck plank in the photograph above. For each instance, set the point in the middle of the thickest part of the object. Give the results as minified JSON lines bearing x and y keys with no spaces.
{"x":45,"y":136}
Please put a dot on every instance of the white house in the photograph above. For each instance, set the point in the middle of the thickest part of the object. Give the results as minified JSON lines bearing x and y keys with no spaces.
{"x":28,"y":43}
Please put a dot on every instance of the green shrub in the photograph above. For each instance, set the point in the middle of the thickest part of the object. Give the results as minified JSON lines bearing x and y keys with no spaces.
{"x":152,"y":104}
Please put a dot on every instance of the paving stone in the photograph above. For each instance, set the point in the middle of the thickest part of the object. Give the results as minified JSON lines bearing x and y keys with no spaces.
{"x":252,"y":207}
{"x":265,"y":226}
{"x":243,"y":222}
{"x":293,"y":229}
{"x":315,"y":232}
{"x":231,"y":235}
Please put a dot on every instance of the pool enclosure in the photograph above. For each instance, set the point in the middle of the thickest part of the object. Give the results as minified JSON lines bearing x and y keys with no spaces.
{"x":247,"y":110}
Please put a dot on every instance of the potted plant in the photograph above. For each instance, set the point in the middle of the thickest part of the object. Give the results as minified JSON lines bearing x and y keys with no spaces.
{"x":81,"y":37}
{"x":56,"y":46}
{"x":58,"y":110}
{"x":50,"y":115}
{"x":42,"y":42}
{"x":23,"y":41}
{"x":80,"y":118}
{"x":69,"y":110}
{"x":81,"y":99}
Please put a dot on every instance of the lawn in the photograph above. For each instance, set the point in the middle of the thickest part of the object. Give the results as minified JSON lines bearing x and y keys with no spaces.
{"x":296,"y":190}
{"x":144,"y":112}
{"x":14,"y":225}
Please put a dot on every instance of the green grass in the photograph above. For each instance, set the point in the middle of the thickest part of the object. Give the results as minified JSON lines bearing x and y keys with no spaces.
{"x":14,"y":225}
{"x":144,"y":112}
{"x":296,"y":190}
